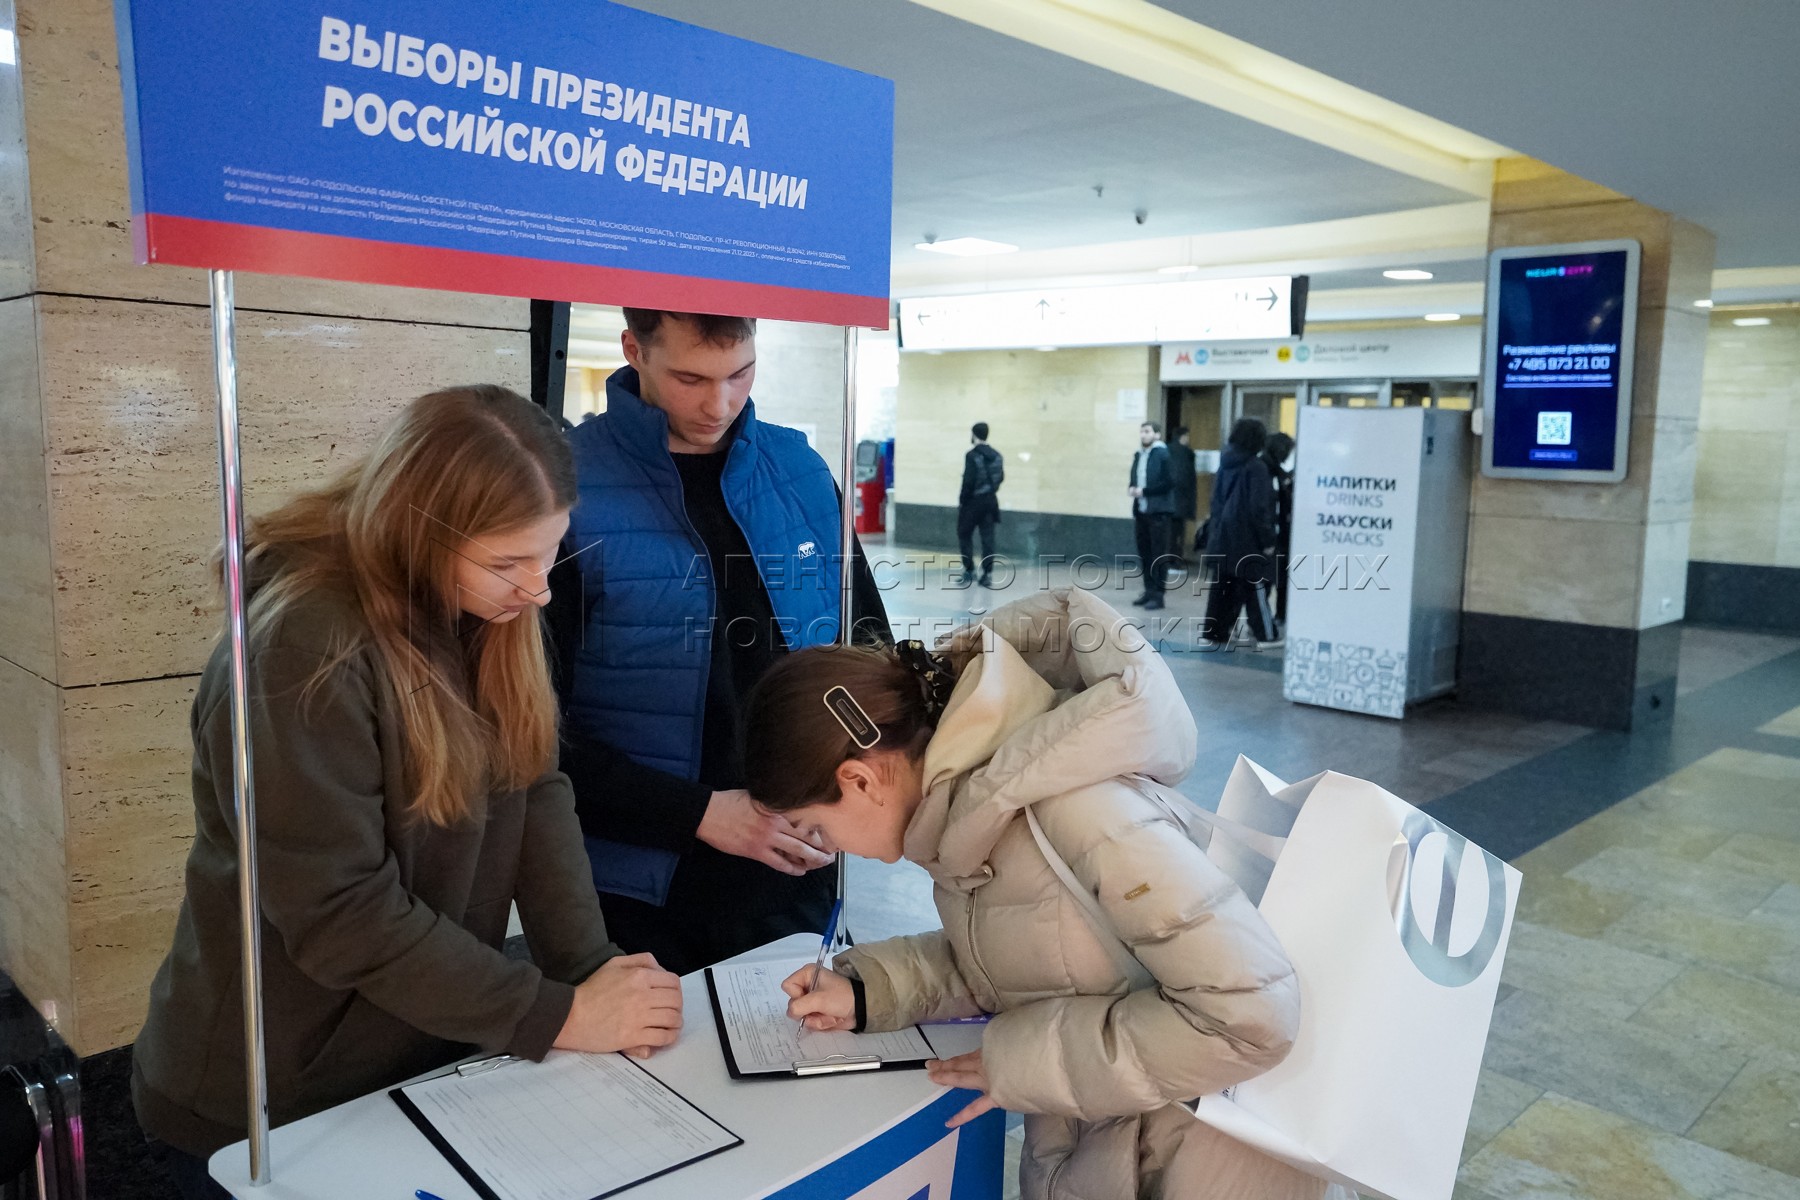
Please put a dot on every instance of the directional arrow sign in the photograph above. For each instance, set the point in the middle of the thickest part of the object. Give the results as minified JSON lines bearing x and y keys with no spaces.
{"x":1129,"y":314}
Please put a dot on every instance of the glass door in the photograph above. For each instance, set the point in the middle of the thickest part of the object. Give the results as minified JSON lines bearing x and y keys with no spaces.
{"x":1276,"y":405}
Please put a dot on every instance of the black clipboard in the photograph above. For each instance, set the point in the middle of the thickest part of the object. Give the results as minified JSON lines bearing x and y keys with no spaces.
{"x":483,"y":1189}
{"x":835,"y":1065}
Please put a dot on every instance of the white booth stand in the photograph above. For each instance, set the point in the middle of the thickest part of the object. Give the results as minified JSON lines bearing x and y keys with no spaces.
{"x":1375,"y":575}
{"x":872,"y":1135}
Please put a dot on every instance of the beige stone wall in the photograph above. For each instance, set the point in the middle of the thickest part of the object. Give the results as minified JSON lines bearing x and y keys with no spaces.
{"x":1074,"y":412}
{"x":800,"y":381}
{"x":1603,"y":554}
{"x":109,"y":481}
{"x":1747,"y":493}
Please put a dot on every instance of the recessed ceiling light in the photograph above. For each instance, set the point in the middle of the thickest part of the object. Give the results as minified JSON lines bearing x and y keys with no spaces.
{"x":1443,"y":316}
{"x":1750,"y":321}
{"x":1408,"y":273}
{"x":1703,"y":304}
{"x":966,"y":247}
{"x":1183,"y":269}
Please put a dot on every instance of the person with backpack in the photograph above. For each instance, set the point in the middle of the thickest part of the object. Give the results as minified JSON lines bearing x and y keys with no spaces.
{"x":978,"y":504}
{"x":1021,"y":769}
{"x":1240,"y":538}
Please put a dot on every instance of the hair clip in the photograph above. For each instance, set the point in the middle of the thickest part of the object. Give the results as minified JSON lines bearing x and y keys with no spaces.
{"x":933,"y":673}
{"x":851,"y":716}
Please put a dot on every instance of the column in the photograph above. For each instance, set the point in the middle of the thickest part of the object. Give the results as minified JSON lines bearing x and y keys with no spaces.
{"x":109,"y":481}
{"x":1574,"y":592}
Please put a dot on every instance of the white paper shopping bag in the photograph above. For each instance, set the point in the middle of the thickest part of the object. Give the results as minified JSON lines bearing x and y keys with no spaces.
{"x":1396,"y":927}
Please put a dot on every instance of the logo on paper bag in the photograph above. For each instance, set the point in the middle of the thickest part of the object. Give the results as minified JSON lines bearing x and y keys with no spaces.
{"x":1449,"y":928}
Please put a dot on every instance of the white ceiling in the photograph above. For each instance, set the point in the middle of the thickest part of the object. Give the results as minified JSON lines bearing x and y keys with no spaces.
{"x":1688,"y":105}
{"x":1684,"y":105}
{"x":998,"y":139}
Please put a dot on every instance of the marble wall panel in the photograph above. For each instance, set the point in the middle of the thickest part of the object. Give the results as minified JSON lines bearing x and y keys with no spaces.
{"x":1752,"y":379}
{"x":1670,"y":364}
{"x":1662,"y":598}
{"x":1693,"y":254}
{"x":129,"y":404}
{"x":1522,"y":183}
{"x":1586,"y":572}
{"x":1061,"y":408}
{"x":34,"y":899}
{"x":27,"y":610}
{"x":18,"y":266}
{"x":129,"y":814}
{"x":1652,"y":228}
{"x":800,"y":381}
{"x":69,"y":61}
{"x":1658,"y":484}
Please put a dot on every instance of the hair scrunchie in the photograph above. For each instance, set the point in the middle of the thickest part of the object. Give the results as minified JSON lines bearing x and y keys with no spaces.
{"x":936,"y":679}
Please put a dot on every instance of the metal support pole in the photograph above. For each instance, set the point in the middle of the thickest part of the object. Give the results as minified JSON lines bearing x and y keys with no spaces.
{"x":847,"y":573}
{"x":231,"y":502}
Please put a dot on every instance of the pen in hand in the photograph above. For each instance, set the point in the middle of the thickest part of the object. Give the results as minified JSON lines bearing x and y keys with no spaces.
{"x":837,"y":909}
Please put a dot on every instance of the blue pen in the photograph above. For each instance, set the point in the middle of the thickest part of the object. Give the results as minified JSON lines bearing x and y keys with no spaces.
{"x":424,"y":1195}
{"x":837,"y":909}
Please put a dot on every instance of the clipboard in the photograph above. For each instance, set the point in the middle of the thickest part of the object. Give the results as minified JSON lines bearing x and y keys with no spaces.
{"x":483,"y":1122}
{"x":823,"y":1064}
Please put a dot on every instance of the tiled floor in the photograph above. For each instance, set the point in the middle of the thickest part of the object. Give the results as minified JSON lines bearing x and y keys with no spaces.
{"x":1646,"y":1045}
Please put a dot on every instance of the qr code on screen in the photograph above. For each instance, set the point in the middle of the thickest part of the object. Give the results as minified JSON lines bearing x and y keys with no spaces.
{"x":1553,"y":429}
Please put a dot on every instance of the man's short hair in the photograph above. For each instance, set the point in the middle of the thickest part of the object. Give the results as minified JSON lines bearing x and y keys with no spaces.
{"x":1155,"y":427}
{"x":720,"y":331}
{"x":1181,"y":431}
{"x":979,"y":429}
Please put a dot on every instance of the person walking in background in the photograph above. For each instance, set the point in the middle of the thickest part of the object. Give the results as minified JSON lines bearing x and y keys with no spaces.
{"x":1152,"y":490}
{"x":1240,"y":535}
{"x":978,"y":504}
{"x":1187,"y":493}
{"x":1275,"y":456}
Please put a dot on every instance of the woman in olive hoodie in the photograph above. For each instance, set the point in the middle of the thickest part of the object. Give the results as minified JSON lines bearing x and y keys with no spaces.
{"x":1042,"y":726}
{"x":403,"y":730}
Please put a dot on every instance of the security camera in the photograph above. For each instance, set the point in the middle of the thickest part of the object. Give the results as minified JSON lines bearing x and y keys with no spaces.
{"x":1140,"y":216}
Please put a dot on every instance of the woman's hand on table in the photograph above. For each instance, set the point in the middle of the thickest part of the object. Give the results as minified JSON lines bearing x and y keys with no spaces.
{"x":830,"y":1006}
{"x":629,"y":1004}
{"x":963,"y":1071}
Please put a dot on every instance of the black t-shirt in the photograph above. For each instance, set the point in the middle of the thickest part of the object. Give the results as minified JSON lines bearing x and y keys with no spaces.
{"x":744,"y":638}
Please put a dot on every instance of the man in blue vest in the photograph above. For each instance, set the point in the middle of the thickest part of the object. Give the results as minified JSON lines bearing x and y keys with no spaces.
{"x":704,"y":546}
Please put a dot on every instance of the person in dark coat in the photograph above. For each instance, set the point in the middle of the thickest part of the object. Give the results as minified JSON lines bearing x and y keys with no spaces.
{"x":1181,"y":468}
{"x":1152,"y":489}
{"x":1240,"y":537}
{"x":978,"y":504}
{"x":1274,"y":455}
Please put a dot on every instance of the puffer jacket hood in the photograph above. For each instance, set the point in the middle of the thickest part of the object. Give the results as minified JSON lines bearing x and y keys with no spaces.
{"x":1121,"y":713}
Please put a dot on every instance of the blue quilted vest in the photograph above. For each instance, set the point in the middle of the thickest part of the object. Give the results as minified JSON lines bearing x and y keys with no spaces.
{"x":640,"y":675}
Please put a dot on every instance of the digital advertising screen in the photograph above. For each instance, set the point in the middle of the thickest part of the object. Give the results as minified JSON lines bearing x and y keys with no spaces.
{"x":1561,"y":328}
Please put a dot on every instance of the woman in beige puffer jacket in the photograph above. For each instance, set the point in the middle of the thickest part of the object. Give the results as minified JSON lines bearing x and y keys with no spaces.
{"x":1053,"y":704}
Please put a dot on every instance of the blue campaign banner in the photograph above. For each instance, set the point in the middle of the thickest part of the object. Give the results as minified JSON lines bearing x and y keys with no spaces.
{"x":586,"y":152}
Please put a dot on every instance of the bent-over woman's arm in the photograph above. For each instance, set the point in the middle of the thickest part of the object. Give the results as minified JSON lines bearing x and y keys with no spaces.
{"x":1226,"y":1005}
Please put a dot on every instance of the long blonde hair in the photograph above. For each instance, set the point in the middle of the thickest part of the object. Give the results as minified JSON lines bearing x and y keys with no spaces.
{"x":478,"y":712}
